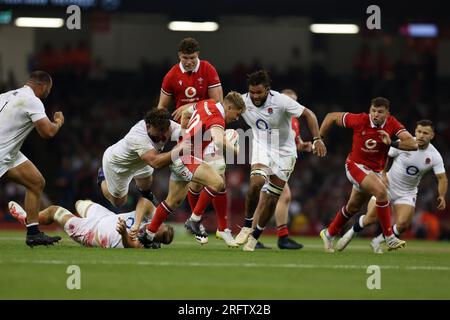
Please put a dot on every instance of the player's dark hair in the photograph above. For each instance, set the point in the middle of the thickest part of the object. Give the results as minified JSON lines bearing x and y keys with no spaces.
{"x":168,"y":235}
{"x":40,"y":77}
{"x":380,"y":102}
{"x":188,"y":46}
{"x":158,"y":118}
{"x":259,"y":77}
{"x":425,"y":123}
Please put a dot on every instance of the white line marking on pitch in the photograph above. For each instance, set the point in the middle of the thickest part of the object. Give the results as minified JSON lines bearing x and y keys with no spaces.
{"x":237,"y":265}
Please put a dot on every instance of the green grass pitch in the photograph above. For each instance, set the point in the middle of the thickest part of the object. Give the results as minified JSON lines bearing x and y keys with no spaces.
{"x":185,"y":270}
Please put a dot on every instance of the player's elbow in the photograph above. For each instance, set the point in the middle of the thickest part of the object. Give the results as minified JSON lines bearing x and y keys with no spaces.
{"x":411,"y":145}
{"x":46,"y":134}
{"x":155,"y":164}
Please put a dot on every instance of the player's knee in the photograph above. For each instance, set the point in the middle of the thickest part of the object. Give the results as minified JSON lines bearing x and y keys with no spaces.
{"x":38,"y":184}
{"x":352,"y":209}
{"x":218,"y":185}
{"x":380,"y":193}
{"x":195,"y":187}
{"x":402,"y":226}
{"x":285,"y":198}
{"x":256,"y":184}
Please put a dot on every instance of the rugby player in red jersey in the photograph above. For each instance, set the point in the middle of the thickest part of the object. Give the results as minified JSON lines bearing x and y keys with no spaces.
{"x":206,"y":118}
{"x":372,"y":134}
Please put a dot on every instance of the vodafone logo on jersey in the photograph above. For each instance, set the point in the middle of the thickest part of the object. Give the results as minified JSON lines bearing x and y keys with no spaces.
{"x":190,"y":92}
{"x":370,"y":144}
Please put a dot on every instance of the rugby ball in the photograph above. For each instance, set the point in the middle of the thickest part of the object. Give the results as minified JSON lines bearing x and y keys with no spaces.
{"x":232,"y":136}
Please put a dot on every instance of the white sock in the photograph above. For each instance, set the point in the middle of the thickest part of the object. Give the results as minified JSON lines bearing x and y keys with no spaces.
{"x":260,"y":228}
{"x":32,"y":224}
{"x":396,"y":232}
{"x":361,"y":224}
{"x":150,"y":235}
{"x":195,"y":217}
{"x":379,"y":238}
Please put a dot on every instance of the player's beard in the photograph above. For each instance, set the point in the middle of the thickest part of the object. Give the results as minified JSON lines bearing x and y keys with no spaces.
{"x":261,"y":102}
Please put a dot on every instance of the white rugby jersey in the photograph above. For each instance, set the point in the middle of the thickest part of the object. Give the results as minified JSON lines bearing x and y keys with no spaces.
{"x":19,"y":109}
{"x":126,"y":154}
{"x":408,"y":168}
{"x":271,"y":123}
{"x":106,"y":231}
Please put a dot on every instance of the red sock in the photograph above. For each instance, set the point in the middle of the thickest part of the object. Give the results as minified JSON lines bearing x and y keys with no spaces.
{"x":205,"y":198}
{"x":339,"y":221}
{"x":282,"y":231}
{"x":193,"y":198}
{"x":161,"y":214}
{"x":220,"y":206}
{"x":384,"y":217}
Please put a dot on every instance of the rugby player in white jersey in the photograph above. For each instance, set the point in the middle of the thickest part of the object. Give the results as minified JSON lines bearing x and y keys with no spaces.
{"x":135,"y":157}
{"x":96,"y":226}
{"x":269,"y":114}
{"x":402,"y":180}
{"x":21,"y":111}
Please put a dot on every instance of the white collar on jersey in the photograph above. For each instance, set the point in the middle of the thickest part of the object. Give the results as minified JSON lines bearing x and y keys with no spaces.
{"x":373,"y":125}
{"x":221,"y":109}
{"x":29,"y":89}
{"x":195,"y":70}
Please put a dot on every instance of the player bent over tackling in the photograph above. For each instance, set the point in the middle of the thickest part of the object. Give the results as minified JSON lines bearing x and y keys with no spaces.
{"x":208,"y":118}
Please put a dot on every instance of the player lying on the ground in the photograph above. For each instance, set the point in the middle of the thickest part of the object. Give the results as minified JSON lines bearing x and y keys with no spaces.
{"x":402,"y":180}
{"x":97,"y":226}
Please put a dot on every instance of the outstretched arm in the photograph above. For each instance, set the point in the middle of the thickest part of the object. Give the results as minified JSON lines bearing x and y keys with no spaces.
{"x":406,"y":141}
{"x":332,"y":118}
{"x":442,"y":190}
{"x":313,"y":126}
{"x":157,"y":160}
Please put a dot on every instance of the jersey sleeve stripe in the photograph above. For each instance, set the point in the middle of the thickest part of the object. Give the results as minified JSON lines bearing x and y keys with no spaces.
{"x":214,"y":85}
{"x":343,"y":119}
{"x":166,"y":93}
{"x":399,"y":131}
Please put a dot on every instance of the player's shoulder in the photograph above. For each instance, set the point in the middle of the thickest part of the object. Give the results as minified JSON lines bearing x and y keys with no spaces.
{"x":361,"y":117}
{"x":139,"y":129}
{"x":392,"y":120}
{"x":174,"y":125}
{"x":28,"y":95}
{"x":205,"y":64}
{"x":434,"y":150}
{"x":174,"y":70}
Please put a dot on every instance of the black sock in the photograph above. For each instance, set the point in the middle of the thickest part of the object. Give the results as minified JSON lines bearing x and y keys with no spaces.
{"x":248,"y":222}
{"x":32,"y":229}
{"x":257,"y":233}
{"x":148,"y":194}
{"x":357,"y":227}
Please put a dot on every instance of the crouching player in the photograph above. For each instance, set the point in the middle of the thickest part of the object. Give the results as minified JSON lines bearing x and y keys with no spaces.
{"x":96,"y":226}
